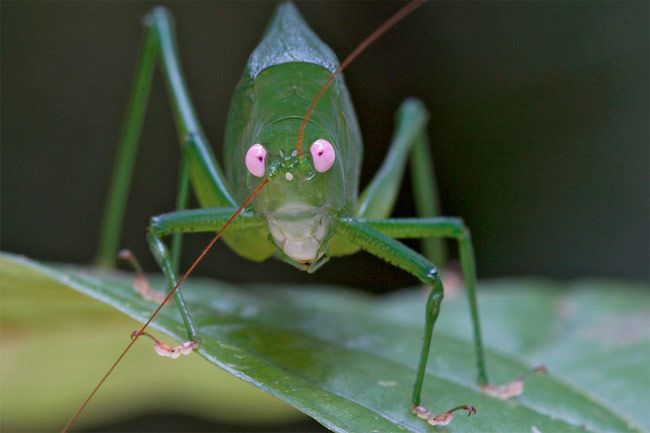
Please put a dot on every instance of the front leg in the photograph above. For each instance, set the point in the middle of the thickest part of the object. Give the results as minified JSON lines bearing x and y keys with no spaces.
{"x":454,"y":228}
{"x":445,"y":227}
{"x":398,"y":254}
{"x":189,"y":221}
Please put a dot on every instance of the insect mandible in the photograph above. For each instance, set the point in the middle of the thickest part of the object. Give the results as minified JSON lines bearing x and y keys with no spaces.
{"x":292,"y":156}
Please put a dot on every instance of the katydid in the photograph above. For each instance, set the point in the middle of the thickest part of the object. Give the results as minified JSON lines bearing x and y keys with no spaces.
{"x":289,"y":188}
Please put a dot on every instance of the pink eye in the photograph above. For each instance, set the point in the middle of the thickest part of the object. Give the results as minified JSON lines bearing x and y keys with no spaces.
{"x":256,"y":160}
{"x":322,"y":154}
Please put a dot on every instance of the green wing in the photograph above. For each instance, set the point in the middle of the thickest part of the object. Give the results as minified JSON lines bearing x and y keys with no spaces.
{"x":288,"y":39}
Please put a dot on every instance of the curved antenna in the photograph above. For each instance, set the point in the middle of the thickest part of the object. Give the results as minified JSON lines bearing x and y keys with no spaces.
{"x":399,"y":15}
{"x":140,"y":332}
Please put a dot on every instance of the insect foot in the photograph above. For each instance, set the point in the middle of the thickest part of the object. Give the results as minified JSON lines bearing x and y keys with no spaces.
{"x":140,"y":283}
{"x":163,"y":349}
{"x":512,"y":389}
{"x":442,"y":419}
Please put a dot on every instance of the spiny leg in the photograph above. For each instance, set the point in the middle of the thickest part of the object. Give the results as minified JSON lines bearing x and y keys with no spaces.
{"x":398,"y":254}
{"x":159,"y":40}
{"x":181,"y":201}
{"x":165,"y":261}
{"x":446,"y":227}
{"x":109,"y":238}
{"x":188,"y":221}
{"x":378,"y":199}
{"x":196,"y":158}
{"x":169,"y":263}
{"x":141,"y":284}
{"x":425,"y":189}
{"x":177,"y":238}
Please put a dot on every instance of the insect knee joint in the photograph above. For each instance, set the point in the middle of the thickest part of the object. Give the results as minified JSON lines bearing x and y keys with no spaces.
{"x":464,"y":233}
{"x":154,"y":226}
{"x":190,"y":139}
{"x":432,"y":275}
{"x":433,"y":280}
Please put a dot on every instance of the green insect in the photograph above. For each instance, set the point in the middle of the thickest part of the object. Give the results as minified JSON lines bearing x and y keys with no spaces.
{"x":275,"y":200}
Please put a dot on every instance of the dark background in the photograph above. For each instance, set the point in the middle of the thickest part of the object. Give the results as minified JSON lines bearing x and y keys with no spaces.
{"x":539,"y":125}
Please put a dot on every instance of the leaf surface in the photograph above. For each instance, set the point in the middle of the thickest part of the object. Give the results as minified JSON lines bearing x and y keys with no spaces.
{"x":348,"y":360}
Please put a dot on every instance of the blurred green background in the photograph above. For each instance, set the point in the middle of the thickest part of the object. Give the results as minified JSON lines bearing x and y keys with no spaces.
{"x":539,"y":125}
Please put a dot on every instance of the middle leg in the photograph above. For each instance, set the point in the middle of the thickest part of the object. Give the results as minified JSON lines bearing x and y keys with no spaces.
{"x":394,"y":252}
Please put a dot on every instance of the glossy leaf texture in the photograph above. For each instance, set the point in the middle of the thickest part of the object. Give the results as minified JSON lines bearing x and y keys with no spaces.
{"x":348,"y":360}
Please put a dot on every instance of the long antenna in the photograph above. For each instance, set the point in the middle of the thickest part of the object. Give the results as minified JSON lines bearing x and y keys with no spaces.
{"x":189,"y":270}
{"x":399,"y":15}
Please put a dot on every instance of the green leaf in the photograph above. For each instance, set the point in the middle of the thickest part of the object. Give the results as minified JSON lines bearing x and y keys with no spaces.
{"x":348,"y":360}
{"x":56,"y":343}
